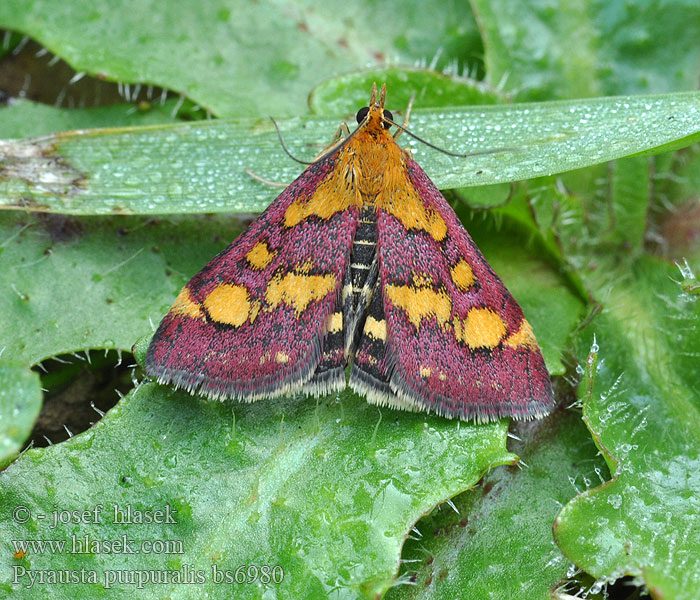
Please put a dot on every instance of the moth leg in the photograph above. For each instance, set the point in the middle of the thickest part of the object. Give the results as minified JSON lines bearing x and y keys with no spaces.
{"x":343,"y":130}
{"x":341,"y":133}
{"x":406,"y":117}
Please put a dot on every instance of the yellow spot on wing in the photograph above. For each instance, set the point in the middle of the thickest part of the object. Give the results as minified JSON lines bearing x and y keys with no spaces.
{"x":228,"y":304}
{"x":185,"y":306}
{"x":281,"y":358}
{"x":335,"y":322}
{"x":462,"y":275}
{"x":375,"y":329}
{"x":298,"y":290}
{"x":523,"y":337}
{"x":420,"y":303}
{"x":334,"y":194}
{"x":319,"y":205}
{"x":401,"y":199}
{"x":483,"y":328}
{"x":259,"y":256}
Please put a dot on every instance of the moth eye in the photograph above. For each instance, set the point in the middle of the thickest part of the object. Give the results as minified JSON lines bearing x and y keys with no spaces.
{"x":362,"y":113}
{"x":388,"y":115}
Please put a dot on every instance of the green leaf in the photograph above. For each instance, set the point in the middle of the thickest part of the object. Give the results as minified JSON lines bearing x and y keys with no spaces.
{"x":20,"y":403}
{"x":193,"y":167}
{"x":572,"y":49}
{"x":347,"y":93}
{"x":486,"y":196}
{"x":326,"y":490}
{"x":500,"y":545}
{"x":23,"y":118}
{"x":241,"y":58}
{"x":630,"y":185}
{"x":538,"y":50}
{"x":641,"y":394}
{"x":119,"y":274}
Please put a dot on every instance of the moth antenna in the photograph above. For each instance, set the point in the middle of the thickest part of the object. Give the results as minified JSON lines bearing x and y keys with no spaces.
{"x":337,"y":146}
{"x":284,"y":147}
{"x":382,"y":95}
{"x":373,"y":94}
{"x":434,"y":147}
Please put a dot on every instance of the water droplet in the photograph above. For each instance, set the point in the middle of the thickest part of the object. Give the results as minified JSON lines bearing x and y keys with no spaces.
{"x":615,"y":500}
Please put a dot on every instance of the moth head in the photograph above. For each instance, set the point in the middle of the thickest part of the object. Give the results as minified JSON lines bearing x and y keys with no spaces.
{"x":376,"y":107}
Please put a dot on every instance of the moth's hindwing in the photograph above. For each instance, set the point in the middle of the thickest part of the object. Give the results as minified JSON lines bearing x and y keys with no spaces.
{"x":259,"y":318}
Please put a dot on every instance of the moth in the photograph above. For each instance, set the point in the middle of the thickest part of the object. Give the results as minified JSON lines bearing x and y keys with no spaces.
{"x":360,"y":264}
